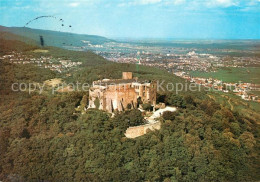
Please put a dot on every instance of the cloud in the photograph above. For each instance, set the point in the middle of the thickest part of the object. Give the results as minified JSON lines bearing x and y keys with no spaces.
{"x":177,"y":2}
{"x":199,"y":3}
{"x":222,"y":3}
{"x":139,"y":2}
{"x":22,"y":7}
{"x":148,"y":1}
{"x":74,"y":4}
{"x":253,"y":2}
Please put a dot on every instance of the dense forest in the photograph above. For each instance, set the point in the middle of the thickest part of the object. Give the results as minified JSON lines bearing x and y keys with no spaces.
{"x":46,"y":137}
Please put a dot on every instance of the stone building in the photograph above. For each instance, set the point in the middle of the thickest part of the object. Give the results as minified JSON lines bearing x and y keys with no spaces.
{"x":121,"y":94}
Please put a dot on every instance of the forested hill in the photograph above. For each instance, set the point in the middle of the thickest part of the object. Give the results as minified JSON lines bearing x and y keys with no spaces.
{"x":11,"y":42}
{"x":55,"y":38}
{"x":49,"y":137}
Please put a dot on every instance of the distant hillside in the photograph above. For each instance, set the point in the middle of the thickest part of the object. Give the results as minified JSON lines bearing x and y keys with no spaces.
{"x":6,"y":34}
{"x":54,"y":38}
{"x":11,"y":42}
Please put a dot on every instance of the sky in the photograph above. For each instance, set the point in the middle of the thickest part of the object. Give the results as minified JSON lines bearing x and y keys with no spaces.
{"x":140,"y":19}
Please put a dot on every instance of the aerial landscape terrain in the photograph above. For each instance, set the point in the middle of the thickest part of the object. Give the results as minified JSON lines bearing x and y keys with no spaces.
{"x":94,"y":105}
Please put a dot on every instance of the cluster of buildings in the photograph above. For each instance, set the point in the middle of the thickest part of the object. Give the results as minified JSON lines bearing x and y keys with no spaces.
{"x":182,"y":61}
{"x":241,"y":89}
{"x":54,"y":64}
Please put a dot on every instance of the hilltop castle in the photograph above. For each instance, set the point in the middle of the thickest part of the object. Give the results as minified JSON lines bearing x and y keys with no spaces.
{"x":120,"y":94}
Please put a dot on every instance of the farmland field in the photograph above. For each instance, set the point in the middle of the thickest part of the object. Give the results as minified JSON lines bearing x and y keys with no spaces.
{"x":247,"y":75}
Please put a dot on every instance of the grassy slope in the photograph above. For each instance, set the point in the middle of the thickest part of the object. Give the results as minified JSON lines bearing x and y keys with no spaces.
{"x":247,"y":75}
{"x":235,"y":103}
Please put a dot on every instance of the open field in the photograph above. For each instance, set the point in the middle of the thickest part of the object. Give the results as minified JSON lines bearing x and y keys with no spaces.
{"x":247,"y":75}
{"x":53,"y":82}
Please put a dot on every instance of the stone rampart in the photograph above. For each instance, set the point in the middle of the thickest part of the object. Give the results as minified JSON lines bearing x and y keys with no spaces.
{"x":136,"y":131}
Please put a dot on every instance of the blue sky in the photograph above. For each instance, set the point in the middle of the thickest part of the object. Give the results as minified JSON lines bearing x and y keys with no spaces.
{"x":177,"y":19}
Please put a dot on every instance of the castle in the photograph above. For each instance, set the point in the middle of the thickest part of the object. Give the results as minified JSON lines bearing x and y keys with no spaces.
{"x":121,"y":94}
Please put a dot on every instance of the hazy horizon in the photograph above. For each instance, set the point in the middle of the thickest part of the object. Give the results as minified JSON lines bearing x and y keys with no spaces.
{"x":158,"y":39}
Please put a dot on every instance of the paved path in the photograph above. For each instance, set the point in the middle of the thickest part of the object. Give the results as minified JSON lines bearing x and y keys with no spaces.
{"x":158,"y":113}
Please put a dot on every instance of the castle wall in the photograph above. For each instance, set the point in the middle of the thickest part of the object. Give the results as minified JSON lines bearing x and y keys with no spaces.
{"x":96,"y":94}
{"x":117,"y":98}
{"x":127,"y":75}
{"x":147,"y":92}
{"x":121,"y":93}
{"x":152,"y":90}
{"x":136,"y":131}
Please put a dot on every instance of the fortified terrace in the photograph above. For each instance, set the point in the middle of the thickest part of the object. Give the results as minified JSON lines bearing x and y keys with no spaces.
{"x":121,"y":94}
